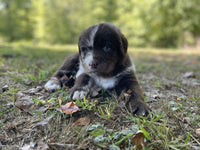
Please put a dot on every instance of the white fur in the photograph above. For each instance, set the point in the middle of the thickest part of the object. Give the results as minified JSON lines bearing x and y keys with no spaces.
{"x":84,"y":66}
{"x":79,"y":95}
{"x":133,"y":65}
{"x":106,"y":83}
{"x":52,"y":85}
{"x":90,"y":41}
{"x":83,"y":92}
{"x":88,"y":59}
{"x":81,"y":70}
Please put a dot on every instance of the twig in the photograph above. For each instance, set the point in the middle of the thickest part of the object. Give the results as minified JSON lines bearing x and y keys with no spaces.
{"x":23,"y":110}
{"x":195,"y":139}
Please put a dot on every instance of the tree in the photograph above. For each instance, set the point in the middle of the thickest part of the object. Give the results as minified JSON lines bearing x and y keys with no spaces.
{"x":16,"y":23}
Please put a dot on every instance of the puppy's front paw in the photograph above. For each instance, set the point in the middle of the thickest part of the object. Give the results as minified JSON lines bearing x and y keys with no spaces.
{"x":52,"y":85}
{"x":79,"y":94}
{"x":139,"y":108}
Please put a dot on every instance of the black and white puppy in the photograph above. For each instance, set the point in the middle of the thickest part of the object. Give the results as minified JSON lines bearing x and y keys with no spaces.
{"x":102,"y":62}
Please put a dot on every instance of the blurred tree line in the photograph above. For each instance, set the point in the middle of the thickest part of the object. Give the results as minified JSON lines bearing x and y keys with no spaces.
{"x":160,"y":23}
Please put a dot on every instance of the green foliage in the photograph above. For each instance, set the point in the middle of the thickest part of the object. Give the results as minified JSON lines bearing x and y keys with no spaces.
{"x":158,"y":23}
{"x":85,"y":104}
{"x":16,"y":22}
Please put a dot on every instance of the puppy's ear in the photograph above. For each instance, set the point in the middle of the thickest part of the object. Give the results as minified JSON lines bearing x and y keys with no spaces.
{"x":124,"y":44}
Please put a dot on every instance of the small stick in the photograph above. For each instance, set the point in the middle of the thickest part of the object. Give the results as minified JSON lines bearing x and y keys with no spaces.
{"x":195,"y":139}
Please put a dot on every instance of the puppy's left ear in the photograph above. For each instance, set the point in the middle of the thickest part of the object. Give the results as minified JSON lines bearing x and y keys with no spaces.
{"x":124,"y":44}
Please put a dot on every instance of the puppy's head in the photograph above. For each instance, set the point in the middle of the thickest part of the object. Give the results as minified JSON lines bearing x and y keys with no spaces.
{"x":101,"y":48}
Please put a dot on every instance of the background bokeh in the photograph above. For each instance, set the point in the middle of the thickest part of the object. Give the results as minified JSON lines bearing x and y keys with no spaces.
{"x":146,"y":23}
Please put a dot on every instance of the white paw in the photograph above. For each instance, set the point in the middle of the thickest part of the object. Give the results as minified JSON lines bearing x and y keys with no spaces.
{"x":52,"y":85}
{"x":79,"y":95}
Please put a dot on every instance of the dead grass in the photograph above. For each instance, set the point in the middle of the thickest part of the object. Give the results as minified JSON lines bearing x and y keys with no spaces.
{"x":175,"y":100}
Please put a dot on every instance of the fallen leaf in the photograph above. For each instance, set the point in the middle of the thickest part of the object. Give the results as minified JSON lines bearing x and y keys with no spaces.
{"x":43,"y":124}
{"x":189,"y":75}
{"x":156,"y":96}
{"x":68,"y":108}
{"x":42,"y":146}
{"x":168,"y":84}
{"x":23,"y":101}
{"x":27,"y":82}
{"x":191,"y":82}
{"x":32,"y":91}
{"x":138,"y":140}
{"x":82,"y":121}
{"x":5,"y":88}
{"x":39,"y":88}
{"x":35,"y":146}
{"x":30,"y":146}
{"x":186,"y":120}
{"x":43,"y":91}
{"x":183,"y":91}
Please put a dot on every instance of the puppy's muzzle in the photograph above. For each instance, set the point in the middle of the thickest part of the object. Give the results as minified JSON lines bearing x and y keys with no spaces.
{"x":93,"y":65}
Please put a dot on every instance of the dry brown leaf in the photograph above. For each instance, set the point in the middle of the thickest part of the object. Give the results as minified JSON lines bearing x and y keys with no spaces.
{"x":82,"y":121}
{"x":23,"y":101}
{"x":168,"y":84}
{"x":138,"y":140}
{"x":35,"y":146}
{"x":189,"y":75}
{"x":43,"y":124}
{"x":68,"y":108}
{"x":186,"y":120}
{"x":43,"y":91}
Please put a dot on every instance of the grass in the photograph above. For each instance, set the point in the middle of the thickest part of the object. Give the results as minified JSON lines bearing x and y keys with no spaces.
{"x":172,"y":97}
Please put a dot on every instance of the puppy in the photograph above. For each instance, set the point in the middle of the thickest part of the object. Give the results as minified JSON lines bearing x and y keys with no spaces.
{"x":102,"y":62}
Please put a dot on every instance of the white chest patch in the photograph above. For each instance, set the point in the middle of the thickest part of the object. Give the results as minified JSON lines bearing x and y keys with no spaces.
{"x":106,"y":83}
{"x":81,"y":70}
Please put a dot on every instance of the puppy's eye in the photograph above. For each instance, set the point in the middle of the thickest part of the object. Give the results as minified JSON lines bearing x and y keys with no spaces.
{"x":107,"y":49}
{"x":84,"y":49}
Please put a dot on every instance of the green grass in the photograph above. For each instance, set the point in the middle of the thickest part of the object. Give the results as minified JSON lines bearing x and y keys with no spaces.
{"x":159,"y":71}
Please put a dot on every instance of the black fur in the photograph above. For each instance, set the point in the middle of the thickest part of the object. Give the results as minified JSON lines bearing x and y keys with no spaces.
{"x":102,"y":58}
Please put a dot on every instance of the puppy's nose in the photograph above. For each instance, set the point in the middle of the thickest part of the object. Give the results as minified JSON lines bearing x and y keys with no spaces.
{"x":93,"y":64}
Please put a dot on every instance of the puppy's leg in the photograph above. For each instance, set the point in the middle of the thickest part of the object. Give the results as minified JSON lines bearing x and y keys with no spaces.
{"x":135,"y":102}
{"x":81,"y":87}
{"x":68,"y":68}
